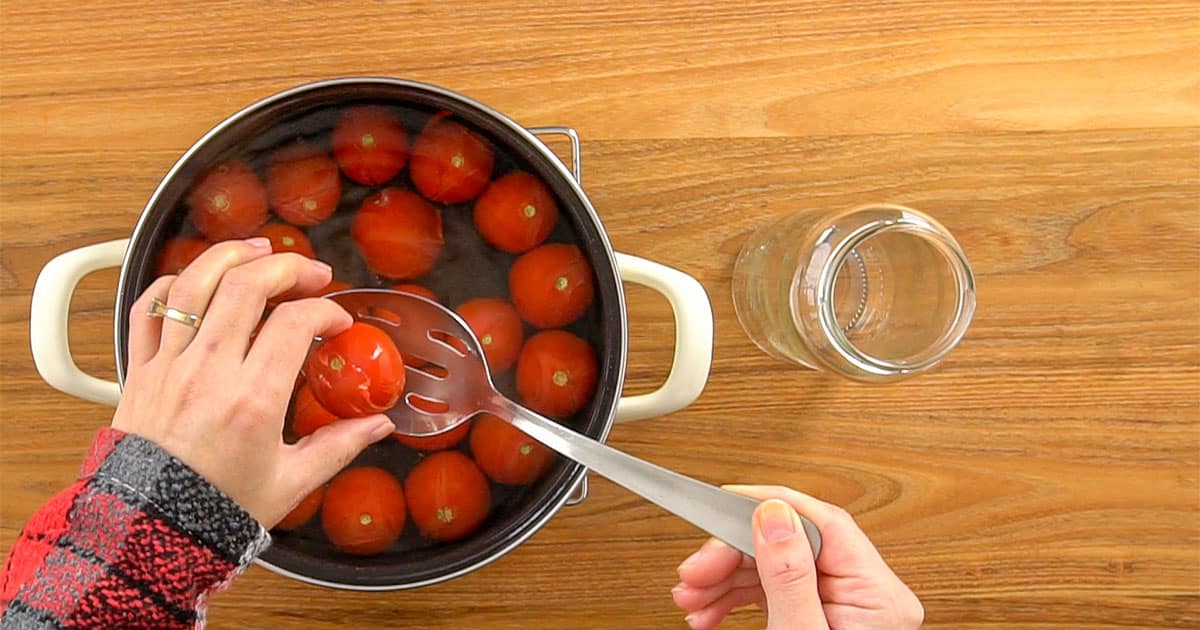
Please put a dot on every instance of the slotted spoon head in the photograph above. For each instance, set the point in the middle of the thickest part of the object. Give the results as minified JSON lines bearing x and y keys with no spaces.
{"x":434,"y":401}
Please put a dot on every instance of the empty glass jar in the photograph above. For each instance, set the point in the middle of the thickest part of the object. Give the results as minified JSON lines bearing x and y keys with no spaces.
{"x":873,"y":293}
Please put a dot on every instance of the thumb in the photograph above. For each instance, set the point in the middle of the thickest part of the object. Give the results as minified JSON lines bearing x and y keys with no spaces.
{"x":321,"y":455}
{"x":786,"y":568}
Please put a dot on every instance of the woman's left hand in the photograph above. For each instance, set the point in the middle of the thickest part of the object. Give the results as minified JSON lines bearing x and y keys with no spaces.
{"x":216,"y":400}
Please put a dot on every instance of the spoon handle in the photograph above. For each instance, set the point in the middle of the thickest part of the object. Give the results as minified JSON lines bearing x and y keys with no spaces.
{"x":723,"y":514}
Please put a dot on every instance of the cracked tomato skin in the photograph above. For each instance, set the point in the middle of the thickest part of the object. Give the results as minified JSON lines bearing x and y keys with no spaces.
{"x":515,"y":213}
{"x":448,"y":496}
{"x":498,"y":328}
{"x":356,"y":373}
{"x":551,"y":285}
{"x":450,"y":164}
{"x":398,"y":233}
{"x":363,"y":513}
{"x":507,"y":454}
{"x":228,"y":201}
{"x":303,"y":185}
{"x":370,"y":144}
{"x":557,"y":373}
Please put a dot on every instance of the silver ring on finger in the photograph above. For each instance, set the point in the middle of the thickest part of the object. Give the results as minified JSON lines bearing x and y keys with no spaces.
{"x":158,"y":308}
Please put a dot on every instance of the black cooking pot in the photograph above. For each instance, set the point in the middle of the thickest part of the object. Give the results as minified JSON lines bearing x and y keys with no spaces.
{"x":606,"y":325}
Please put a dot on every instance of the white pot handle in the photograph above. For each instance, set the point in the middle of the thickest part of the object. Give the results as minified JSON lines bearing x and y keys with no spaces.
{"x":693,"y":339}
{"x":50,"y":310}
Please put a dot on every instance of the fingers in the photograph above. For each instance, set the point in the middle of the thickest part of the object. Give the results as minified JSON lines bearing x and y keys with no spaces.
{"x":712,"y":563}
{"x":786,"y":568}
{"x":243,"y":291}
{"x":693,"y":598}
{"x":193,"y":289}
{"x":710,"y":616}
{"x":846,"y":550}
{"x":281,"y":346}
{"x":145,"y":331}
{"x":316,"y":458}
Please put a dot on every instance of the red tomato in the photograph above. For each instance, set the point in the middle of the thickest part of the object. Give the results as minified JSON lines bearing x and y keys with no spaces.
{"x":498,"y":328}
{"x":417,"y":290}
{"x":287,"y":238}
{"x":398,"y":233}
{"x":307,"y":413}
{"x":364,"y":510}
{"x":334,"y":286}
{"x":515,"y":213}
{"x":228,"y":202}
{"x":439,"y":442}
{"x":506,"y":453}
{"x":449,"y":163}
{"x":556,"y":373}
{"x":551,"y":286}
{"x":306,"y":509}
{"x":303,"y":185}
{"x":447,"y":496}
{"x":370,"y":144}
{"x":356,"y":373}
{"x":179,"y":252}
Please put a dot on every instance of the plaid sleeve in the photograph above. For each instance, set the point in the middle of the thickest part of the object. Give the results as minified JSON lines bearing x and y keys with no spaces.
{"x":139,"y":541}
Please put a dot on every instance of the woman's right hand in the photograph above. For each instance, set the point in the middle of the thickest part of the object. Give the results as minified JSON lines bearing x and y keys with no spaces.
{"x":215,"y":399}
{"x":849,"y":585}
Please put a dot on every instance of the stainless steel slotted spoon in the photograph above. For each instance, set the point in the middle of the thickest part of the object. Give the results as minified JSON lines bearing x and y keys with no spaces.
{"x":467,"y":390}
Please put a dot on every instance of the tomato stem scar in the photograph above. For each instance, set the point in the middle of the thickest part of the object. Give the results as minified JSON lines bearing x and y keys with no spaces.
{"x":445,"y":514}
{"x":220,"y":201}
{"x":529,"y":211}
{"x":525,"y":449}
{"x":487,"y":340}
{"x":288,"y":241}
{"x":560,"y":377}
{"x":310,"y":204}
{"x":337,"y":363}
{"x":560,"y":283}
{"x":368,"y":140}
{"x":457,"y":161}
{"x":365,"y":519}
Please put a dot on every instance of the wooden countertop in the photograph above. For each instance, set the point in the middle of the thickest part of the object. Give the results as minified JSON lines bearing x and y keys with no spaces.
{"x":1047,"y":474}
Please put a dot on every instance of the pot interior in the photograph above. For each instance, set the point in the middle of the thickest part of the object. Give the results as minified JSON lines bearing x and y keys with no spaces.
{"x":468,"y":268}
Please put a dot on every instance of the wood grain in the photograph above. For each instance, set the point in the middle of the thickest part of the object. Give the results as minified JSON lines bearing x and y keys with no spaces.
{"x":1048,"y":474}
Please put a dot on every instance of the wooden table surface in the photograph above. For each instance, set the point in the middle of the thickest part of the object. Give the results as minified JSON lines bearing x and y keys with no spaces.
{"x":1047,"y":474}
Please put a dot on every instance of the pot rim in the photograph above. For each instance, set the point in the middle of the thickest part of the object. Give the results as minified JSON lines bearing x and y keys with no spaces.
{"x":566,"y":490}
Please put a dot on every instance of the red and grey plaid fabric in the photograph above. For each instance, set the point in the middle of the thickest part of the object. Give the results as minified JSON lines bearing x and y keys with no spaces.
{"x":140,"y":541}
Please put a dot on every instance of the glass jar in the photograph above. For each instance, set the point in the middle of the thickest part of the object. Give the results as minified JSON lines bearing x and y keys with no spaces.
{"x":873,"y":293}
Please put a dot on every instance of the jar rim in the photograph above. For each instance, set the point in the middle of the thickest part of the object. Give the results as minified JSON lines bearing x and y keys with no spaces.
{"x":918,"y":225}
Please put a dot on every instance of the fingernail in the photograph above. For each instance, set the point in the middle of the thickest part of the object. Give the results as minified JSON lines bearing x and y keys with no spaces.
{"x":259,"y":241}
{"x":384,"y":429}
{"x":690,"y":620}
{"x":320,"y":264}
{"x":777,"y":520}
{"x":678,"y":588}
